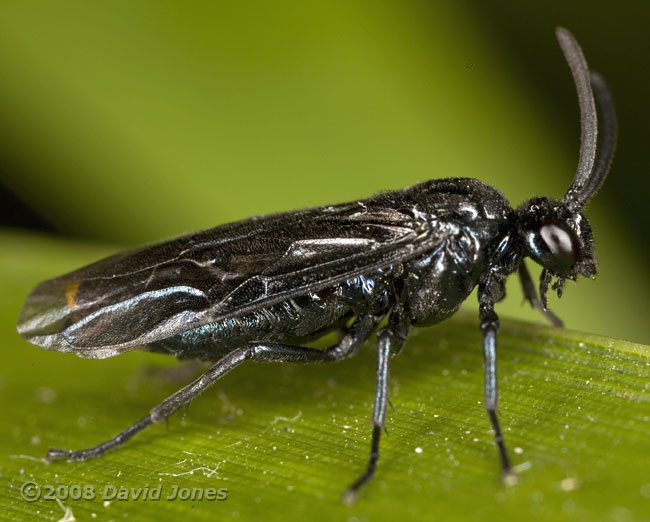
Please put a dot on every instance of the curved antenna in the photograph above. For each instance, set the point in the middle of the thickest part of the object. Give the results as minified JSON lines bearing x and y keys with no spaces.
{"x":606,"y":142}
{"x":588,"y":118}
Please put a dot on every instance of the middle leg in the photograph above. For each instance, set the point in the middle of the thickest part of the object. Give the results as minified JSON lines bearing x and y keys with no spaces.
{"x":391,"y":339}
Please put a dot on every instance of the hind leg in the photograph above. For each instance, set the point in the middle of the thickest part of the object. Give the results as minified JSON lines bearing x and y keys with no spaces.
{"x":357,"y":334}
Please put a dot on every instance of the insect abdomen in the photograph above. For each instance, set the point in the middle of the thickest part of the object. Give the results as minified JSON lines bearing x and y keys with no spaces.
{"x":300,"y":319}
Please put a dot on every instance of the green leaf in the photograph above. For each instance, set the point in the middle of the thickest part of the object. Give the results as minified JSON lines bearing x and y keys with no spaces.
{"x":285,"y":440}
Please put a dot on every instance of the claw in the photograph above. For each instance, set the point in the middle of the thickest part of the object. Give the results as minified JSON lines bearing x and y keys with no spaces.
{"x":57,"y":454}
{"x":510,"y":478}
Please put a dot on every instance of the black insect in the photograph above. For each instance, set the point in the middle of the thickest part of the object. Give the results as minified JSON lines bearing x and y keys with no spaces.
{"x":258,"y":288}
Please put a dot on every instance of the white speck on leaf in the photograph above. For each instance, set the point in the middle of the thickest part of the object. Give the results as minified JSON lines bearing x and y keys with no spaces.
{"x":287,"y":419}
{"x":68,"y":516}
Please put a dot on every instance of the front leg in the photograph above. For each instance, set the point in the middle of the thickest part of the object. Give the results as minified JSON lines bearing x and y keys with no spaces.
{"x":390,"y":341}
{"x":530,"y":293}
{"x":490,"y":326}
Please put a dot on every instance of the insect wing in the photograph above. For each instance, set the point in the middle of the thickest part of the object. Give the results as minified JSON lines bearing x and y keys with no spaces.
{"x":155,"y":292}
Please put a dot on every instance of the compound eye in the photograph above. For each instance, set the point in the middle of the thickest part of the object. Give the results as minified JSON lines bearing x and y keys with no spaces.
{"x":561,"y":241}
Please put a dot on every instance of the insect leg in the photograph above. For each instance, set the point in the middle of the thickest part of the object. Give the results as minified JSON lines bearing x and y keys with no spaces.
{"x":391,"y":339}
{"x":357,"y":334}
{"x":489,"y":326}
{"x":530,"y":293}
{"x":158,"y":413}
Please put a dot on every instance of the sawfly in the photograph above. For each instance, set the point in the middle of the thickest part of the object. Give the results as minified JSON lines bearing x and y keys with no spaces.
{"x":258,"y":289}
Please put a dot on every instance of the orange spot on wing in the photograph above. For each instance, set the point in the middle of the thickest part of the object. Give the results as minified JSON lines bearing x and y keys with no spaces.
{"x":71,"y":294}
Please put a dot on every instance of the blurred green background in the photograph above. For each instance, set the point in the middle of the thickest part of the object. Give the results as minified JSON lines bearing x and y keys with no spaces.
{"x":127,"y":122}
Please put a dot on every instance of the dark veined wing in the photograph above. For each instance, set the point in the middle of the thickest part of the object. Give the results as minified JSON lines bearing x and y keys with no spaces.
{"x":138,"y":297}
